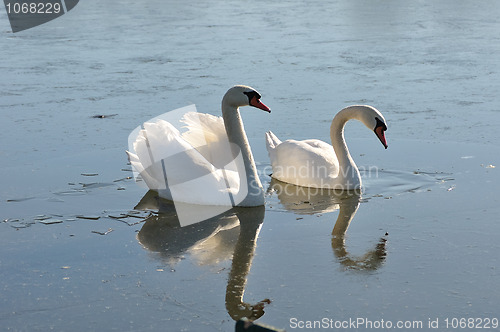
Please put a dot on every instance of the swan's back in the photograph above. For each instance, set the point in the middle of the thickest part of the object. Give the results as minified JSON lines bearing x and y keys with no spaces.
{"x":304,"y":163}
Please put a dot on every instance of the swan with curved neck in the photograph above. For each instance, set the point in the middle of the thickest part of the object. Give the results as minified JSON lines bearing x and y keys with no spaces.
{"x":209,"y":164}
{"x":316,"y":164}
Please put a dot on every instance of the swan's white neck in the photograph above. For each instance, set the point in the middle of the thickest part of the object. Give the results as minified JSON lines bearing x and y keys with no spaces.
{"x":348,"y":171}
{"x":236,"y":134}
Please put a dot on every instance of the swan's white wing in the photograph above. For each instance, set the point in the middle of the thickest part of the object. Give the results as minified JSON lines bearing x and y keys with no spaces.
{"x":144,"y":161}
{"x":203,"y":128}
{"x":171,"y":166}
{"x":207,"y":134}
{"x":309,"y":163}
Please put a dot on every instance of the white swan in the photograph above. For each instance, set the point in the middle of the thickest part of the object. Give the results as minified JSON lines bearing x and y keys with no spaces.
{"x":209,"y":164}
{"x":314,"y":163}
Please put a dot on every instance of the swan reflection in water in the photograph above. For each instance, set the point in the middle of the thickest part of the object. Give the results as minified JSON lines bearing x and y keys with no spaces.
{"x":231,"y":234}
{"x":303,"y":200}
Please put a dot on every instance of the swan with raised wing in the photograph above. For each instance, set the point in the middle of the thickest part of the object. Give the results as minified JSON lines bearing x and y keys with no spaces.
{"x":209,"y":164}
{"x":316,"y":164}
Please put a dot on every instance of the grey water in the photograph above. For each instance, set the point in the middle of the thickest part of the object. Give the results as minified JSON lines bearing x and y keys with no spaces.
{"x":83,"y":247}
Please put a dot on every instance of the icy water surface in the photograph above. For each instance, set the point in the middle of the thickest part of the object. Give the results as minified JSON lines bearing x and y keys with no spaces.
{"x":84,"y":248}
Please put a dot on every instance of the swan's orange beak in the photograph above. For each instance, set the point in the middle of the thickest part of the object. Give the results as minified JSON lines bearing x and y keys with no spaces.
{"x":379,"y":131}
{"x":255,"y":102}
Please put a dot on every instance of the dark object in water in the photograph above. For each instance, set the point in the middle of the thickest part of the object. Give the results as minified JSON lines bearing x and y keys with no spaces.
{"x":245,"y":325}
{"x":103,"y":116}
{"x":19,"y":199}
{"x":88,"y":217}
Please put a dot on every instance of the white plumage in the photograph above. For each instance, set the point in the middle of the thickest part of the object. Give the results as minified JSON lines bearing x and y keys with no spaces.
{"x":207,"y":164}
{"x":317,"y":164}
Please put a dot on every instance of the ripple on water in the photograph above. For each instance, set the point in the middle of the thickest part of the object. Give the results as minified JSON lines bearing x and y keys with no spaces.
{"x":379,"y":183}
{"x":394,"y":182}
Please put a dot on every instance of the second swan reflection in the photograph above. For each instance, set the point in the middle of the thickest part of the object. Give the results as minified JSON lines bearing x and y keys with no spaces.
{"x":234,"y":234}
{"x":231,"y":234}
{"x":303,"y":200}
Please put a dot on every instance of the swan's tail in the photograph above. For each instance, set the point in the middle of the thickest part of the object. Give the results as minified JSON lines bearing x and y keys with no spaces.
{"x":271,"y":143}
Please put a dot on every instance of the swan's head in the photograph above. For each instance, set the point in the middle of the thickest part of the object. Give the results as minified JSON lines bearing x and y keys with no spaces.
{"x":242,"y":95}
{"x":380,"y":129}
{"x":375,"y":121}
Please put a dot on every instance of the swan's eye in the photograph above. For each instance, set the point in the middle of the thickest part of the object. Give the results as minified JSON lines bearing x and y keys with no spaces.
{"x":380,"y":123}
{"x":251,"y":95}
